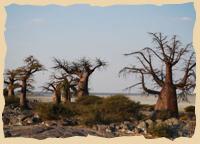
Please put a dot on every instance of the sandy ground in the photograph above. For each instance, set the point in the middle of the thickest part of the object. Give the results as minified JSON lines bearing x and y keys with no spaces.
{"x":142,"y":99}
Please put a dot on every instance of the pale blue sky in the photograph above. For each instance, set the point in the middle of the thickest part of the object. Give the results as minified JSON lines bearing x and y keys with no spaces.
{"x":82,"y":30}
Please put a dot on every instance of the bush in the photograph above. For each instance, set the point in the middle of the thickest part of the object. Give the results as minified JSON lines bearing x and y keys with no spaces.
{"x":88,"y":100}
{"x":190,"y":109}
{"x":12,"y":100}
{"x":118,"y":108}
{"x":147,"y":107}
{"x":89,"y":115}
{"x":50,"y":111}
{"x":5,"y":92}
{"x":163,"y":115}
{"x":161,"y":130}
{"x":112,"y":109}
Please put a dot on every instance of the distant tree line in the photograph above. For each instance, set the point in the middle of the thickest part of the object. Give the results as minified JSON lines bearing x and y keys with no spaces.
{"x":68,"y":78}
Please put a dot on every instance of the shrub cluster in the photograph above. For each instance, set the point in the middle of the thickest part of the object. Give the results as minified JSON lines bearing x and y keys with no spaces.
{"x":50,"y":111}
{"x":108,"y":110}
{"x":163,"y":115}
{"x":90,"y":110}
{"x":161,"y":130}
{"x":14,"y":100}
{"x":190,"y":109}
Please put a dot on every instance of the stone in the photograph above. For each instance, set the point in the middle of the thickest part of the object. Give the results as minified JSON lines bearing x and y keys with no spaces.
{"x":172,"y":121}
{"x":6,"y":120}
{"x":159,"y":122}
{"x":149,"y":123}
{"x":142,"y":125}
{"x":112,"y":127}
{"x":50,"y":123}
{"x":102,"y":128}
{"x":7,"y":133}
{"x":128,"y":125}
{"x":69,"y":122}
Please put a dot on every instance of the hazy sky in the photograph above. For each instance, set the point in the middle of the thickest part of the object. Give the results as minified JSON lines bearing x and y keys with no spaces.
{"x":82,"y":30}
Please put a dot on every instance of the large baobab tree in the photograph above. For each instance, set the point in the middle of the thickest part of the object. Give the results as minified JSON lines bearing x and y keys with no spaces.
{"x":11,"y":81}
{"x":168,"y":53}
{"x":82,"y":69}
{"x":32,"y":65}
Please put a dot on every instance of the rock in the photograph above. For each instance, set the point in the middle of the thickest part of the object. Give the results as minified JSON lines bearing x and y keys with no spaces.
{"x":172,"y":121}
{"x":188,"y":129}
{"x":36,"y":120}
{"x":69,"y":122}
{"x":142,"y":126}
{"x":149,"y":123}
{"x":29,"y":121}
{"x":6,"y":120}
{"x":159,"y":122}
{"x":7,"y":133}
{"x":101,"y":128}
{"x":18,"y":109}
{"x":108,"y":130}
{"x":19,"y":123}
{"x":112,"y":127}
{"x":50,"y":123}
{"x":128,"y":125}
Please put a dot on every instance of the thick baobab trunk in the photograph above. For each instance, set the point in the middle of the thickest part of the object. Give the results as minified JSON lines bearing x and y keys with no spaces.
{"x":57,"y":96}
{"x":11,"y":90}
{"x":23,"y":101}
{"x":83,"y":85}
{"x":167,"y":99}
{"x":66,"y":95}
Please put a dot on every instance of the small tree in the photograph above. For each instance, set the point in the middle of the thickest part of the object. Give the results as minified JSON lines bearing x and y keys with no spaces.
{"x":54,"y":87}
{"x":169,"y":53}
{"x":11,"y":81}
{"x":26,"y":72}
{"x":67,"y":86}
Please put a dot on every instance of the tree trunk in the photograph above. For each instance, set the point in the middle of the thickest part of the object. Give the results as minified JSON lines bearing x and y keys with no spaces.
{"x":23,"y":101}
{"x":11,"y":90}
{"x":57,"y":96}
{"x":167,"y":99}
{"x":83,"y":85}
{"x":66,"y":95}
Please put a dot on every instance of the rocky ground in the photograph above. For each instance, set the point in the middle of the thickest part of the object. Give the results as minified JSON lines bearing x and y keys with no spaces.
{"x":26,"y":123}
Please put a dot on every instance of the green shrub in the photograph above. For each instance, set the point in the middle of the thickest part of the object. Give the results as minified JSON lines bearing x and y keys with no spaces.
{"x":49,"y":111}
{"x":88,"y":100}
{"x":183,"y":116}
{"x":190,"y":109}
{"x":147,"y":107}
{"x":161,"y":130}
{"x":12,"y":100}
{"x":5,"y":92}
{"x":116,"y":108}
{"x":163,"y":115}
{"x":89,"y":115}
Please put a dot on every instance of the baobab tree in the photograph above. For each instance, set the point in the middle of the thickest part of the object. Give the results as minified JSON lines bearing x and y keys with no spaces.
{"x":67,"y":84}
{"x":82,"y":69}
{"x":32,"y":65}
{"x":54,"y":87}
{"x":169,"y":53}
{"x":11,"y":81}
